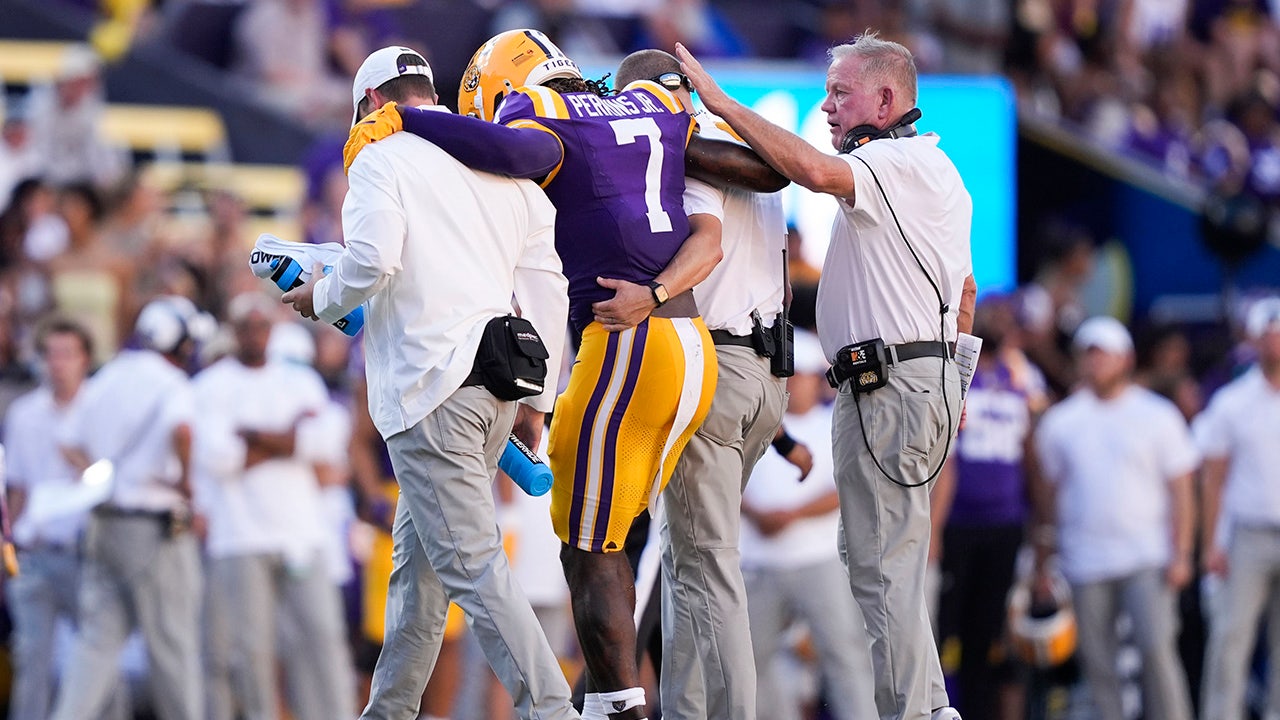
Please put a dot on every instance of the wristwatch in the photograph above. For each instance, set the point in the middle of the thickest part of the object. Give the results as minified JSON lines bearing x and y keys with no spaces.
{"x":660,"y":295}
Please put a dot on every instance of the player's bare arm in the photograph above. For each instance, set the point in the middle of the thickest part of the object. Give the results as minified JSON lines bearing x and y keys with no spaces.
{"x":693,"y":262}
{"x":730,"y":166}
{"x":785,"y":151}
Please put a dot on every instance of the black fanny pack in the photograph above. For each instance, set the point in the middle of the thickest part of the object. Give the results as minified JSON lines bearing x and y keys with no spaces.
{"x":511,"y":360}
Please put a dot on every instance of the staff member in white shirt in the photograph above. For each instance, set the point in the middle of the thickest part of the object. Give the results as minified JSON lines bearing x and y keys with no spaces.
{"x":141,"y":565}
{"x":898,"y":270}
{"x":437,"y":250}
{"x":45,"y":591}
{"x":707,"y":669}
{"x":1116,"y":482}
{"x":1239,"y":435}
{"x":257,"y":485}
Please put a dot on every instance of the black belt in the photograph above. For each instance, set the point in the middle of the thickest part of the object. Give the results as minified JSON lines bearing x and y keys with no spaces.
{"x":910,"y":351}
{"x":475,"y":378}
{"x":50,"y":547}
{"x":115,"y":511}
{"x":724,"y":337}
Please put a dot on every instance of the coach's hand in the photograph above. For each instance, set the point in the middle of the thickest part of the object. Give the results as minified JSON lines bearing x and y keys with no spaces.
{"x":629,"y":306}
{"x":302,"y":298}
{"x":381,"y":123}
{"x":712,"y":97}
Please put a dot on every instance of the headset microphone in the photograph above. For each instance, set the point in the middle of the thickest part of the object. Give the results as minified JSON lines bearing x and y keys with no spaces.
{"x":863,"y":134}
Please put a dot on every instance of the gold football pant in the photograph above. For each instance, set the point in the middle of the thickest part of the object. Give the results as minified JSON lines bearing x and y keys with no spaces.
{"x":634,"y":399}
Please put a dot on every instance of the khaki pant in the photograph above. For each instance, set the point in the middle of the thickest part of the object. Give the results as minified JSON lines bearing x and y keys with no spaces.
{"x":1252,"y":588}
{"x":707,"y":668}
{"x":135,"y":576}
{"x":900,"y":430}
{"x":1152,"y":606}
{"x":448,"y":547}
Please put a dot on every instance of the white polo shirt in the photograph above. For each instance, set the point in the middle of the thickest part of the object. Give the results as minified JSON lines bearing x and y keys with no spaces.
{"x":274,"y":506}
{"x":128,"y":413}
{"x":1111,"y":462}
{"x":871,"y":285}
{"x":1242,"y":424}
{"x":776,"y":485}
{"x":32,"y":458}
{"x":431,"y":245}
{"x":754,"y":233}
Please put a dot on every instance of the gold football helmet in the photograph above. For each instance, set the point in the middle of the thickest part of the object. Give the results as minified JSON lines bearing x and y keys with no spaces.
{"x":1043,"y":636}
{"x":508,"y":61}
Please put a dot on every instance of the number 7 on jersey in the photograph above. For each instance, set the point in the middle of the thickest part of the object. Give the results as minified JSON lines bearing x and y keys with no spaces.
{"x":625,"y":132}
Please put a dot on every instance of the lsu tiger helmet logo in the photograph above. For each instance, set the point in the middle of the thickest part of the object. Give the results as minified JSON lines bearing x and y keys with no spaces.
{"x":508,"y":61}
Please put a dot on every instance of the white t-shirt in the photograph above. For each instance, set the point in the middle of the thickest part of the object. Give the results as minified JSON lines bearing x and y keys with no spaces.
{"x":775,"y":485}
{"x":1111,"y":462}
{"x":128,"y":413}
{"x":1242,"y":424}
{"x":749,"y":276}
{"x":871,"y":285}
{"x":33,"y":458}
{"x":438,"y":249}
{"x":274,"y":506}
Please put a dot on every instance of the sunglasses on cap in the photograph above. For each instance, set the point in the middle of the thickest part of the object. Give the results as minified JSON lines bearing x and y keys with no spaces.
{"x":673,"y":81}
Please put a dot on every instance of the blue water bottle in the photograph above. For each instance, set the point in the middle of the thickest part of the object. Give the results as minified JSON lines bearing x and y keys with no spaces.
{"x":525,"y":468}
{"x":288,"y":275}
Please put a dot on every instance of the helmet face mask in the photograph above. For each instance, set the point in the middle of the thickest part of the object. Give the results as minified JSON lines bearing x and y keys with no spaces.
{"x":510,"y":60}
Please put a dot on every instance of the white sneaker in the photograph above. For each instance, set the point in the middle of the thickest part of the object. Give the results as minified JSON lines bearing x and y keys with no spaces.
{"x":946,"y":713}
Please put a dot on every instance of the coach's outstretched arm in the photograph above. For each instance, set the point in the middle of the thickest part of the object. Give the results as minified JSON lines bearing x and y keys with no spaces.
{"x":785,"y":151}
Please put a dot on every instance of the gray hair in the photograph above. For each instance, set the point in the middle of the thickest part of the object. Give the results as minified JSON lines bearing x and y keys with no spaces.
{"x":884,"y":62}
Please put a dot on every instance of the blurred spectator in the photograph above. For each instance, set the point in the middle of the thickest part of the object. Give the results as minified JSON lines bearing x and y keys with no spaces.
{"x":257,"y":442}
{"x":44,"y":593}
{"x":141,"y":562}
{"x":326,"y":190}
{"x":973,"y":34}
{"x":33,"y":228}
{"x":1117,"y":462}
{"x":1164,"y":367}
{"x":790,"y":562}
{"x":581,"y":28}
{"x":979,"y":510}
{"x":221,"y":257}
{"x":1240,"y":36}
{"x":282,"y":46}
{"x":836,"y":22}
{"x":66,"y":122}
{"x":1051,"y":307}
{"x":133,"y":220}
{"x":696,"y":23}
{"x":1255,"y":115}
{"x":89,"y":281}
{"x":1164,"y":131}
{"x":801,"y":270}
{"x":19,"y":157}
{"x":1239,"y":434}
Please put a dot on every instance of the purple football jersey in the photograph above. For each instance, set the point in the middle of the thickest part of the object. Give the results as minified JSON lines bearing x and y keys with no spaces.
{"x":619,"y":194}
{"x":990,"y":485}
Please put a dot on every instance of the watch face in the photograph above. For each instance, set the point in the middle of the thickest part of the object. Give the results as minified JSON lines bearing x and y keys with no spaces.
{"x":660,"y":292}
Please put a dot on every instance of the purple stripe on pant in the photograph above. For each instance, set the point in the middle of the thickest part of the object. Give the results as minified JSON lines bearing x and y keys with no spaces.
{"x":584,"y":439}
{"x":611,"y":436}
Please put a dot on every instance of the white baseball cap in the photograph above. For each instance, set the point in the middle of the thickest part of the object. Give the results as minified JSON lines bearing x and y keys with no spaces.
{"x":1263,"y":317}
{"x":1105,"y":333}
{"x":382,"y":65}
